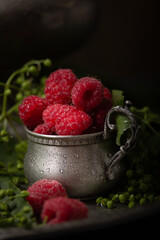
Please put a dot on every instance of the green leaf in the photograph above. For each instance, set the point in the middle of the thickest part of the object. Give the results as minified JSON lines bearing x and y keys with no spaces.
{"x":16,"y":205}
{"x":149,"y":118}
{"x":123,"y":124}
{"x":16,"y":202}
{"x":118,"y":98}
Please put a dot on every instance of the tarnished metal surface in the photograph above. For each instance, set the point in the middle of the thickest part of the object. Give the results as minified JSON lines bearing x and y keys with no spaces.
{"x":80,"y":163}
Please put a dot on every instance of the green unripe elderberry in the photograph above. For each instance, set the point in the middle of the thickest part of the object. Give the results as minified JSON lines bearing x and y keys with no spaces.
{"x":24,"y":193}
{"x":47,"y":62}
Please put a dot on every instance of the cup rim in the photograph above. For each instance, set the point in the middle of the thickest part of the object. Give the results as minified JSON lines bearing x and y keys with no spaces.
{"x":82,"y":139}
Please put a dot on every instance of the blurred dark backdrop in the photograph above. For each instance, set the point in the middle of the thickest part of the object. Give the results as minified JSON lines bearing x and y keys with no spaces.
{"x":117,"y":41}
{"x":124,"y":50}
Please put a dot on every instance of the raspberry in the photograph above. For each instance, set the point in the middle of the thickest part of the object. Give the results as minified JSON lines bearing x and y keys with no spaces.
{"x":87,"y":93}
{"x":99,"y":114}
{"x":74,"y":124}
{"x":49,"y":115}
{"x":91,"y":129}
{"x":42,"y":190}
{"x":62,"y":209}
{"x":43,"y":129}
{"x":106,"y":93}
{"x":59,"y":85}
{"x":55,"y":113}
{"x":31,"y":109}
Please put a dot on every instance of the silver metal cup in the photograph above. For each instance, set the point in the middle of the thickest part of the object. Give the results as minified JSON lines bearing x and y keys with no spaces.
{"x":86,"y":165}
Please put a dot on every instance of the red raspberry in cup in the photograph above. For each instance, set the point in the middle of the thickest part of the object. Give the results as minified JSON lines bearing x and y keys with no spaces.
{"x":74,"y":124}
{"x":107,"y":94}
{"x":87,"y":93}
{"x":59,"y":85}
{"x":43,"y":129}
{"x":100,"y":113}
{"x":31,"y":109}
{"x":56,"y":112}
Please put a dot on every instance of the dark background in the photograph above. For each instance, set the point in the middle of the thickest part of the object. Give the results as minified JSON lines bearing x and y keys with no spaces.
{"x":124,"y":50}
{"x":117,"y":41}
{"x":120,"y":44}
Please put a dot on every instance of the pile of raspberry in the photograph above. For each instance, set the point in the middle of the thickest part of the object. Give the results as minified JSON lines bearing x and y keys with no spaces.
{"x":71,"y":106}
{"x":51,"y":204}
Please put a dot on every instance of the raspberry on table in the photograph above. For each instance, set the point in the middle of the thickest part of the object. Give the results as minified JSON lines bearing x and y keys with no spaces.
{"x":62,"y":209}
{"x":87,"y":93}
{"x":31,"y":109}
{"x":56,"y":112}
{"x":43,"y":129}
{"x":42,"y":190}
{"x":74,"y":124}
{"x":59,"y":85}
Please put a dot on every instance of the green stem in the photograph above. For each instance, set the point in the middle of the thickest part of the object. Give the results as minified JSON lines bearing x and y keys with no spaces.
{"x":7,"y":85}
{"x":4,"y":116}
{"x":15,"y":131}
{"x":38,"y":62}
{"x":12,"y":109}
{"x":152,"y":129}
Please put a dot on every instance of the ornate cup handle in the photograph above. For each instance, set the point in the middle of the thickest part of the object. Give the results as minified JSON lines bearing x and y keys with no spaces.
{"x":130,"y":143}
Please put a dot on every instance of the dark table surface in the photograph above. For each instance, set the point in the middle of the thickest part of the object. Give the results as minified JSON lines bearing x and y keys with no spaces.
{"x":140,"y":221}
